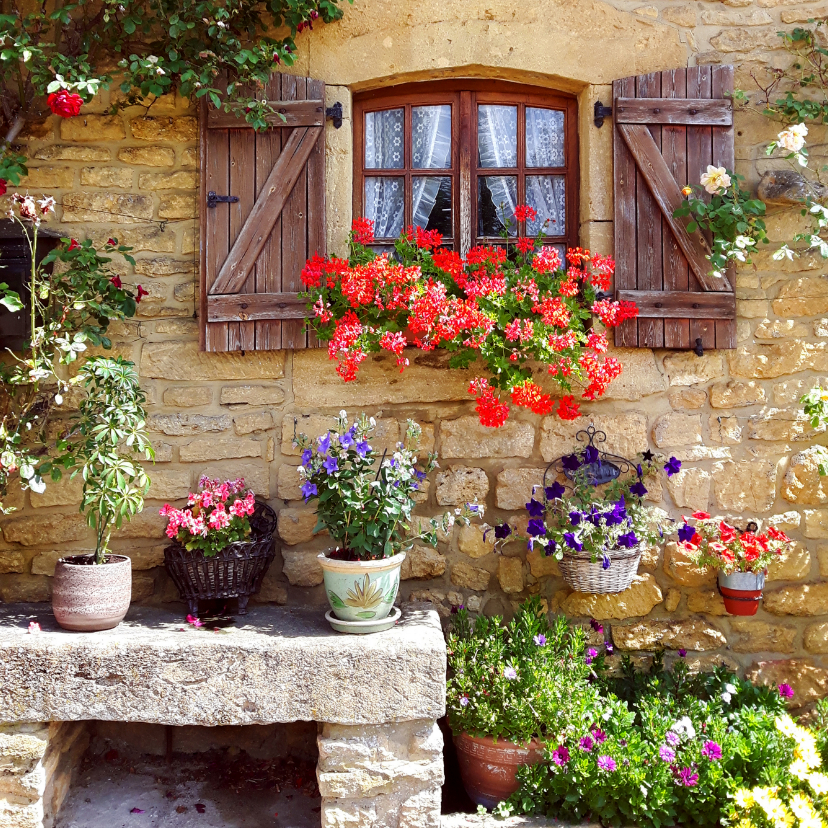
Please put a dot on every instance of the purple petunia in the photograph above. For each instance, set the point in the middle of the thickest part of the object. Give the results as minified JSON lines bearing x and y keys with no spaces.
{"x":667,"y":754}
{"x":682,"y":653}
{"x":554,"y":491}
{"x":786,"y":691}
{"x":610,"y":648}
{"x":712,"y":751}
{"x":363,"y":448}
{"x":550,"y":547}
{"x":536,"y":527}
{"x":324,"y":443}
{"x":308,"y":490}
{"x":503,"y":531}
{"x":687,"y":778}
{"x":605,"y":561}
{"x":686,"y":532}
{"x":590,"y":455}
{"x":331,"y":465}
{"x":572,"y":542}
{"x":606,"y":763}
{"x":535,"y":508}
{"x":628,"y":540}
{"x":509,"y":673}
{"x":672,"y":738}
{"x":672,"y":466}
{"x":571,"y":462}
{"x":539,"y":640}
{"x":560,"y":756}
{"x":307,"y":456}
{"x":464,"y":701}
{"x":586,"y":744}
{"x":638,"y":489}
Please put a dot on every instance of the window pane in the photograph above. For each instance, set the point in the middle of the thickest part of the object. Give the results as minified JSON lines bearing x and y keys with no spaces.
{"x":431,"y":203}
{"x":431,"y":137}
{"x":546,"y":194}
{"x":385,"y":205}
{"x":497,"y":135}
{"x":496,"y":202}
{"x":544,"y":137}
{"x":384,"y":148}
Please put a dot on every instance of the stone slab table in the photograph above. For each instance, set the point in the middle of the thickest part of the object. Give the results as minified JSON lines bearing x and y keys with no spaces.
{"x":376,"y":697}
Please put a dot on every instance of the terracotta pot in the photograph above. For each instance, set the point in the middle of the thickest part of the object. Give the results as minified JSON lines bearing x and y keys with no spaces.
{"x":87,"y":597}
{"x":741,"y":591}
{"x":488,"y":767}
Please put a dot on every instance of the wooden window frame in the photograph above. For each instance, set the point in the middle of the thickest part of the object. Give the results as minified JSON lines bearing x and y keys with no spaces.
{"x":463,"y":96}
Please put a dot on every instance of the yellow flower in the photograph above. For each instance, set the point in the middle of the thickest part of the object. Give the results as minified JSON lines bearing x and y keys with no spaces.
{"x":805,"y":813}
{"x":818,"y":783}
{"x":686,"y":191}
{"x":744,"y":798}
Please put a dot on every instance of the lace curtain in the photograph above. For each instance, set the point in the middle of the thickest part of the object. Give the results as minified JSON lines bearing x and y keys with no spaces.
{"x":545,"y":148}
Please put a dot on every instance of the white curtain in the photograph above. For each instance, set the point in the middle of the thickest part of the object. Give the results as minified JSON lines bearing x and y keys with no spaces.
{"x":497,"y":147}
{"x":430,"y":150}
{"x":545,"y":148}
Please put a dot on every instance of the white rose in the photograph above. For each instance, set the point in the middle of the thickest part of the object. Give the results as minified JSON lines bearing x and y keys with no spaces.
{"x":715,"y":180}
{"x":793,"y":138}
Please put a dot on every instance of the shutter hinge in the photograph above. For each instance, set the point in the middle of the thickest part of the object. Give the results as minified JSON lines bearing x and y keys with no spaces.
{"x":213,"y":199}
{"x":699,"y":349}
{"x":600,"y":112}
{"x":334,"y":113}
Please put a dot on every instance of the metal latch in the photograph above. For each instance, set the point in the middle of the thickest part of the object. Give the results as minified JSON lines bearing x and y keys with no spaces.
{"x":213,"y":199}
{"x":334,"y":113}
{"x":600,"y":112}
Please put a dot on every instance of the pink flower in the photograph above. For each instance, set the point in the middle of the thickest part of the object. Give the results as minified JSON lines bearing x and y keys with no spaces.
{"x":34,"y":627}
{"x":786,"y":691}
{"x":195,"y":621}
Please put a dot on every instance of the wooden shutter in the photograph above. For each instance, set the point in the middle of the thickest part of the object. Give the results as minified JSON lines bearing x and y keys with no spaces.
{"x":668,"y":127}
{"x":253,"y":250}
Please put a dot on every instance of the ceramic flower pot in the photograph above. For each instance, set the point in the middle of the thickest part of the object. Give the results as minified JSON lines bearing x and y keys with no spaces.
{"x":741,"y":591}
{"x":361,"y":590}
{"x":87,"y":597}
{"x":488,"y":768}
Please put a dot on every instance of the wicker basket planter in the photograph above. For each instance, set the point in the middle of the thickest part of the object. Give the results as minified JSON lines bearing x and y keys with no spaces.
{"x":235,"y":572}
{"x":585,"y":576}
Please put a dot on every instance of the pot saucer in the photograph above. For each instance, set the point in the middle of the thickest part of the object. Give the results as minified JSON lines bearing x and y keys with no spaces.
{"x":363,"y":627}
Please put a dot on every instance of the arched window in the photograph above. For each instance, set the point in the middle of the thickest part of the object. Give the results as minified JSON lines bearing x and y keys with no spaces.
{"x":458,"y":156}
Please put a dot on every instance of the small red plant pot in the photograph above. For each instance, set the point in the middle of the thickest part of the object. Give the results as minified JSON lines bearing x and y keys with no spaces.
{"x":741,"y":591}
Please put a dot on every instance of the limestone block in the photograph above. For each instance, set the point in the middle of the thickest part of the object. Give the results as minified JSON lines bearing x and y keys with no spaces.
{"x":542,"y":565}
{"x":822,"y":555}
{"x":472,"y":577}
{"x":735,"y":393}
{"x":105,"y":177}
{"x":252,"y":423}
{"x":189,"y":157}
{"x":781,"y":329}
{"x":64,"y":492}
{"x":146,"y":524}
{"x":420,"y":524}
{"x":288,"y":482}
{"x":107,"y":208}
{"x":802,"y":482}
{"x":44,"y":530}
{"x":178,"y":207}
{"x":17,"y":589}
{"x":792,"y":565}
{"x":461,"y":484}
{"x":465,"y":437}
{"x":790,"y":392}
{"x":626,"y":434}
{"x":301,"y":566}
{"x":691,"y":398}
{"x":638,"y":600}
{"x":96,"y":128}
{"x":680,"y":567}
{"x":677,"y":429}
{"x":422,"y":810}
{"x":168,"y":484}
{"x":639,"y":378}
{"x":748,"y":486}
{"x":11,"y":560}
{"x":515,"y":487}
{"x":177,"y":361}
{"x":168,"y":181}
{"x":71,"y":152}
{"x":147,"y":156}
{"x":650,"y":557}
{"x":743,"y":40}
{"x":787,"y":521}
{"x":685,"y":368}
{"x":475,"y":541}
{"x":219,"y":448}
{"x":146,"y":557}
{"x":802,"y":599}
{"x":757,"y":636}
{"x":510,"y":574}
{"x":147,"y":238}
{"x":165,"y":129}
{"x":422,"y":563}
{"x":708,"y":663}
{"x":815,"y":639}
{"x":673,"y":635}
{"x":296,"y":525}
{"x":809,"y":682}
{"x":816,"y":523}
{"x":163,"y":266}
{"x":272,"y":591}
{"x":779,"y":424}
{"x":188,"y":396}
{"x":252,"y":395}
{"x":680,"y":15}
{"x":163,"y":452}
{"x":672,"y":599}
{"x":707,"y":601}
{"x":690,"y":488}
{"x":805,"y":296}
{"x":181,"y":425}
{"x":767,"y":361}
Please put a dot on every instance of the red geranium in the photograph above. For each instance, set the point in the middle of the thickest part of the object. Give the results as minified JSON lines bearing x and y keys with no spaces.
{"x":65,"y":103}
{"x":140,"y":292}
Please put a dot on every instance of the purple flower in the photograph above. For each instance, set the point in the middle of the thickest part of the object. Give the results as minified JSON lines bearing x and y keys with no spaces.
{"x":308,"y":490}
{"x":324,"y":443}
{"x":597,"y":626}
{"x":540,"y":640}
{"x":610,"y":648}
{"x":571,"y":462}
{"x":331,"y":465}
{"x":560,"y":756}
{"x":589,"y":455}
{"x":672,"y":466}
{"x":786,"y":691}
{"x":685,"y":532}
{"x":591,"y":653}
{"x":550,"y":547}
{"x":572,"y":542}
{"x":363,"y":448}
{"x":554,"y":491}
{"x":712,"y":751}
{"x":605,"y":561}
{"x":575,"y":517}
{"x":672,"y":738}
{"x":535,"y":508}
{"x":606,"y":763}
{"x":464,"y":701}
{"x":666,"y":753}
{"x":638,"y":489}
{"x":687,"y":778}
{"x":509,"y":673}
{"x":628,"y":540}
{"x":683,"y":653}
{"x":536,"y":527}
{"x":586,"y":744}
{"x":307,"y":456}
{"x":503,"y":531}
{"x":599,"y":736}
{"x":421,"y":475}
{"x":346,"y":440}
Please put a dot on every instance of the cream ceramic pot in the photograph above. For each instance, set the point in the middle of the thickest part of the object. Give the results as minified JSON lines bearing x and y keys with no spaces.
{"x":361,"y":590}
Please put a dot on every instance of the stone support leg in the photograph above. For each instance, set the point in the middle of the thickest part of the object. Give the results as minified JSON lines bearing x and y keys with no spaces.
{"x":36,"y":766}
{"x":381,"y":776}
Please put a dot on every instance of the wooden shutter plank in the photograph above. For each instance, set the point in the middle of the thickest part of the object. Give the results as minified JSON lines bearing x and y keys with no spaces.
{"x":317,"y":229}
{"x":232,"y":307}
{"x":241,"y":336}
{"x":289,"y":170}
{"x":626,"y":334}
{"x":710,"y":112}
{"x":676,"y":304}
{"x":674,"y":263}
{"x":296,"y":113}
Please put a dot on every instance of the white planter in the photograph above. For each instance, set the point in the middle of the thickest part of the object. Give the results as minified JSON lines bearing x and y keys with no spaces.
{"x":361,"y":590}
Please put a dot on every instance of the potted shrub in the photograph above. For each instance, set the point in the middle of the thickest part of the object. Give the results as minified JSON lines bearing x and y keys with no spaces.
{"x":510,"y":690}
{"x":222,"y":543}
{"x":108,"y":437}
{"x":596,"y":529}
{"x":364,"y":500}
{"x":742,"y":557}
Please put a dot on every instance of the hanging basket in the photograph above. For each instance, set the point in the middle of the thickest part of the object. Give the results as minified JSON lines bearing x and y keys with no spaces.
{"x":585,"y":576}
{"x":236,"y":571}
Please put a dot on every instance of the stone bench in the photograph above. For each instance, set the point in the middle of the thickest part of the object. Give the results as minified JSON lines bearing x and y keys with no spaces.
{"x":376,"y":698}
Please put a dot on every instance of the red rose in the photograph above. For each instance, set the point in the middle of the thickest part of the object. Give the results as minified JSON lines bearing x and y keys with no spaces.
{"x":3,"y":184}
{"x":116,"y":280}
{"x":141,"y":292}
{"x":112,"y":242}
{"x":64,"y":103}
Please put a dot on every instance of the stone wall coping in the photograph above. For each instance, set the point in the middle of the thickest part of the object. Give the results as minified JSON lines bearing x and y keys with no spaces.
{"x":274,"y":665}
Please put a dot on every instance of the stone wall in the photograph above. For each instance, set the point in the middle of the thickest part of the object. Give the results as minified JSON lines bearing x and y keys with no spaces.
{"x":732,"y":417}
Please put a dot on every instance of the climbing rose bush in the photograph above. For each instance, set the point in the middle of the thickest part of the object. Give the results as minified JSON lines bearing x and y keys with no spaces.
{"x":511,"y":307}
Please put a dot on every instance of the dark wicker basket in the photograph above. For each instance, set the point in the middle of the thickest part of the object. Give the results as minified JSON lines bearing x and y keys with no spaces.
{"x":235,"y":572}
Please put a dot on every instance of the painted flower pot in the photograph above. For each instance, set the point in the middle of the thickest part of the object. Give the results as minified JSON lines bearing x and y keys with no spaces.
{"x":741,"y":591}
{"x":87,"y":597}
{"x":488,"y":768}
{"x":361,"y":590}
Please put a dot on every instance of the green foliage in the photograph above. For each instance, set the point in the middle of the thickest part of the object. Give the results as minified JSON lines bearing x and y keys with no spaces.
{"x":108,"y":438}
{"x":549,"y":692}
{"x":815,"y":405}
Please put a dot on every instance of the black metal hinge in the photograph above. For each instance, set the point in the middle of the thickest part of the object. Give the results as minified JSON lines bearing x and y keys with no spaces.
{"x":600,"y":112}
{"x":334,"y":113}
{"x":213,"y":199}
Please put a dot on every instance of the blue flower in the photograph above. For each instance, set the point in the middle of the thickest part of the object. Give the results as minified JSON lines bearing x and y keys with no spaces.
{"x":672,"y":466}
{"x":571,"y":462}
{"x":307,"y":456}
{"x":539,"y":639}
{"x":363,"y":448}
{"x":550,"y":547}
{"x":536,"y":528}
{"x":610,"y":648}
{"x":572,"y":542}
{"x":605,"y":561}
{"x":421,"y":475}
{"x":503,"y":531}
{"x":554,"y":491}
{"x":639,"y":471}
{"x":346,"y":440}
{"x":590,"y":455}
{"x":685,"y":532}
{"x":575,"y":517}
{"x":638,"y":489}
{"x":324,"y":443}
{"x":308,"y":490}
{"x":535,"y":508}
{"x":331,"y":465}
{"x":627,"y":541}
